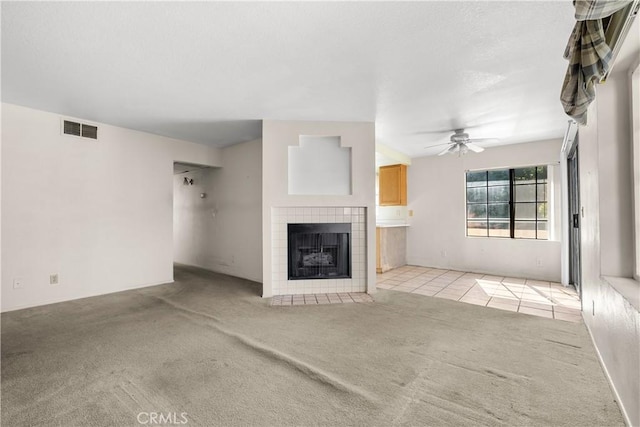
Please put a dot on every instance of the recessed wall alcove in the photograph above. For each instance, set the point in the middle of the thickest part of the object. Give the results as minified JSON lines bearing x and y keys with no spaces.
{"x":319,"y":166}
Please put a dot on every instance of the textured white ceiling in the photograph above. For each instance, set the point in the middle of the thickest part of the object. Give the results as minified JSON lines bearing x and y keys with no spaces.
{"x":209,"y":72}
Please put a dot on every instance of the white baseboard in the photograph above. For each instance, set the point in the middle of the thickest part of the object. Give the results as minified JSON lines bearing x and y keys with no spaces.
{"x":627,"y":420}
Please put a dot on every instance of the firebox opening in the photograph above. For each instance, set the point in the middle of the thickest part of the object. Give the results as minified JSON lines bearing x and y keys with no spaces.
{"x":319,"y":251}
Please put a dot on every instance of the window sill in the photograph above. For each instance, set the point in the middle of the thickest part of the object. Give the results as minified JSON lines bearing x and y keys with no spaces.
{"x":515,"y":239}
{"x":629,"y":288}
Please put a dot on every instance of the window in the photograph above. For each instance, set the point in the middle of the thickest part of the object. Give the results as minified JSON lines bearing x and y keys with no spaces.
{"x":508,"y":203}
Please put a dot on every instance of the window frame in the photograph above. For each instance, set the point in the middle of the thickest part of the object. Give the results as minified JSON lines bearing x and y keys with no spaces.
{"x":512,"y":202}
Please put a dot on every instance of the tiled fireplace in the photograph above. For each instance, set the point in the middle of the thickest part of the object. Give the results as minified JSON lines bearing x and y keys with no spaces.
{"x":328,"y":253}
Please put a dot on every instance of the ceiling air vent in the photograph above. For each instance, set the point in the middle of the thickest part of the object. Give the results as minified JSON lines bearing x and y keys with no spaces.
{"x":79,"y":129}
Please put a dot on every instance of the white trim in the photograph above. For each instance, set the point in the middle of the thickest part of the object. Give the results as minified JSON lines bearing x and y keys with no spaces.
{"x":627,"y":420}
{"x":89,"y":295}
{"x":634,"y":83}
{"x":567,"y":144}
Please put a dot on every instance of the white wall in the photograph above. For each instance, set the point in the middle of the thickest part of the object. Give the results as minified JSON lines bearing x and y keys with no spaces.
{"x":98,"y":213}
{"x":277,"y":137}
{"x":614,"y":154}
{"x":436,"y":237}
{"x":223,"y":231}
{"x":605,"y":176}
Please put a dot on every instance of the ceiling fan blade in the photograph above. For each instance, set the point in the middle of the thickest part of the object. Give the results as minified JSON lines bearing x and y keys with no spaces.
{"x":484,"y":140}
{"x":437,"y":145}
{"x":452,"y":148}
{"x":474,"y":147}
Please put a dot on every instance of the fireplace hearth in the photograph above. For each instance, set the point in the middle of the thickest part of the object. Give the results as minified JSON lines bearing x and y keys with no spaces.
{"x":319,"y":251}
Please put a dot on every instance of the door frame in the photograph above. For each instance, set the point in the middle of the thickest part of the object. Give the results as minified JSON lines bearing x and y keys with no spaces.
{"x":573,"y":213}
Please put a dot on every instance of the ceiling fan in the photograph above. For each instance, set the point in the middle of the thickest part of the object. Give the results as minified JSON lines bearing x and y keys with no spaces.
{"x":461,"y":143}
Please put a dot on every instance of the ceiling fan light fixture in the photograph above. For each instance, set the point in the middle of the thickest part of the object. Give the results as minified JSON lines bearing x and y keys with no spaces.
{"x":461,"y":144}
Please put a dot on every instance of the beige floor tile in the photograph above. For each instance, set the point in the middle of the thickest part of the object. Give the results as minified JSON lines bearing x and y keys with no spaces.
{"x":436,"y":284}
{"x":453,"y":297}
{"x":575,"y":305}
{"x":506,"y":307}
{"x":473,"y":275}
{"x":514,"y":281}
{"x":528,"y":296}
{"x":505,"y":301}
{"x":449,"y":295}
{"x":536,"y":312}
{"x":534,"y":298}
{"x":566,"y":310}
{"x":576,"y":318}
{"x":491,"y":278}
{"x":474,"y":300}
{"x":459,"y":286}
{"x":406,"y":288}
{"x":463,"y":281}
{"x":540,"y":306}
{"x":480,"y":295}
{"x":537,"y":283}
{"x":427,"y":292}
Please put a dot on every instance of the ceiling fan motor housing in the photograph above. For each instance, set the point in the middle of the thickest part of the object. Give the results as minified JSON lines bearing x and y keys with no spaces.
{"x":459,"y":136}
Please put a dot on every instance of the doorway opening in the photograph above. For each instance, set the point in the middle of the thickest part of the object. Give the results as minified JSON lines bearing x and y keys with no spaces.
{"x":574,"y":218}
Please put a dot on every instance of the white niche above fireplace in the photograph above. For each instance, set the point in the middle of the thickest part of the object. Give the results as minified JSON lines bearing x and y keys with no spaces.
{"x":319,"y":166}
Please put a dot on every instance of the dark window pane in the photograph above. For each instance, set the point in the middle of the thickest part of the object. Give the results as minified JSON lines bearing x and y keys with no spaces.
{"x":526,"y":211}
{"x":542,"y":174}
{"x":499,"y":194}
{"x":499,"y":177}
{"x":477,"y":211}
{"x":499,"y":228}
{"x":477,"y":228}
{"x":488,"y":203}
{"x":499,"y":211}
{"x":475,"y":179}
{"x":543,"y":233}
{"x":525,"y":193}
{"x":525,"y":229}
{"x":542,"y":211}
{"x":477,"y":195}
{"x":525,"y":175}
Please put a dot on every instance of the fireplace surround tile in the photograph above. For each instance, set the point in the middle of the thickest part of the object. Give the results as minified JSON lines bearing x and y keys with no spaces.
{"x":282,"y":216}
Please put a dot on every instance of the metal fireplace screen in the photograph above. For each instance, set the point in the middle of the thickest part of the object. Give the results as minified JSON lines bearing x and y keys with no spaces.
{"x":319,"y":251}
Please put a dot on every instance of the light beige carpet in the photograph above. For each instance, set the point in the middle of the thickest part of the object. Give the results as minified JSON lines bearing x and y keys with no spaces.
{"x":209,"y":347}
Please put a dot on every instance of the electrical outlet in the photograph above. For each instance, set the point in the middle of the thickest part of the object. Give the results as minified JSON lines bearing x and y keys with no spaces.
{"x":17,"y":283}
{"x":53,"y":279}
{"x":443,"y":253}
{"x":538,"y":262}
{"x":410,"y":212}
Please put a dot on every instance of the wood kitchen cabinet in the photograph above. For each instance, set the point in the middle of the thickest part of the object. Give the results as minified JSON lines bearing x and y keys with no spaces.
{"x":393,"y":185}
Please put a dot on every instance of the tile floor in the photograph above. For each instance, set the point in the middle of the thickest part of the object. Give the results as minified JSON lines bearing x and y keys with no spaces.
{"x":538,"y":298}
{"x":306,"y":299}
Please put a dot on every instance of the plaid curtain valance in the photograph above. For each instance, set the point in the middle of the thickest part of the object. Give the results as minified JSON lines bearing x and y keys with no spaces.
{"x":588,"y":54}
